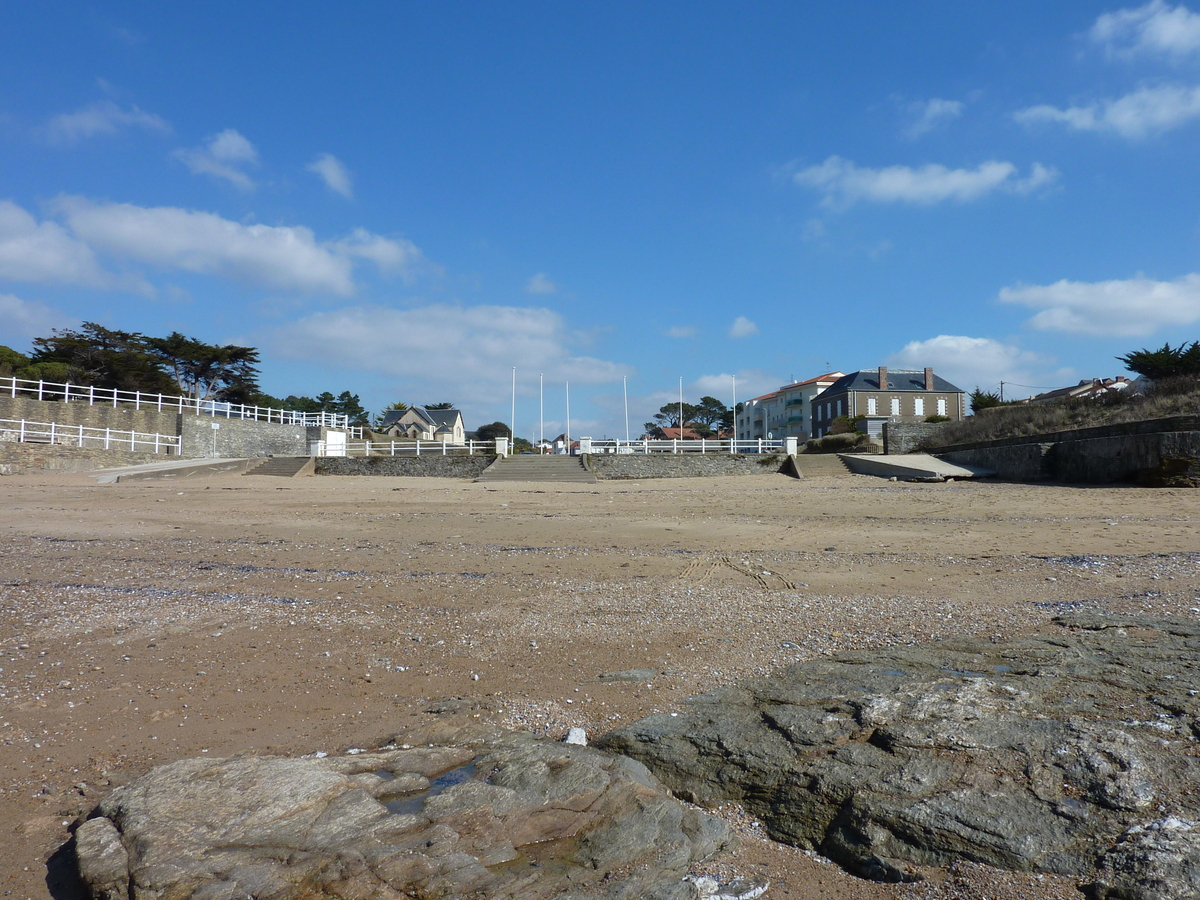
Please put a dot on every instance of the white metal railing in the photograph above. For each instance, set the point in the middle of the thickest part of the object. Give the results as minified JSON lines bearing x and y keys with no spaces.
{"x":49,"y":390}
{"x":725,"y":445}
{"x":417,"y":448}
{"x":24,"y":431}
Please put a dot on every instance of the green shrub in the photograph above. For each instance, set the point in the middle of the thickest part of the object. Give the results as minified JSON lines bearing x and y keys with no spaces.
{"x":837,"y":443}
{"x":937,"y":419}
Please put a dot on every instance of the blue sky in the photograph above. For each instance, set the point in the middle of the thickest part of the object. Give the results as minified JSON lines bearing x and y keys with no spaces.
{"x":407,"y":200}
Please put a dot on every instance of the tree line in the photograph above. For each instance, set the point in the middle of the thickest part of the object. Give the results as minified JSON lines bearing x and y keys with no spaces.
{"x":175,"y":365}
{"x":706,"y":418}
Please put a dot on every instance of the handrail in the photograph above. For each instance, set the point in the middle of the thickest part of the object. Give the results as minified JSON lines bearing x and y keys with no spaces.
{"x":26,"y":431}
{"x":66,"y":392}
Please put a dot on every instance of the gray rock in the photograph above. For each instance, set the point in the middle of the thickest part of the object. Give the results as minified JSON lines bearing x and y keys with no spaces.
{"x":1073,"y":753}
{"x":472,"y":811}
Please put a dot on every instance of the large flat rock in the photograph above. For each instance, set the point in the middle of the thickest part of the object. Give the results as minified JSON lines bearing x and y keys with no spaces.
{"x":1073,"y":752}
{"x":472,"y":812}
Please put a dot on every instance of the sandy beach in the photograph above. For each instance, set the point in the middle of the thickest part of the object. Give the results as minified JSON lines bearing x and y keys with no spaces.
{"x":142,"y":623}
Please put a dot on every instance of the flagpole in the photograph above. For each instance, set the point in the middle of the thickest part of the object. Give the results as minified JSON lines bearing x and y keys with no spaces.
{"x":681,"y":407}
{"x":625,"y":391}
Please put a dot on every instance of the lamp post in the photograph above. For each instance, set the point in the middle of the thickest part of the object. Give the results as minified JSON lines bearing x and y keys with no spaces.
{"x":512,"y":428}
{"x":568,"y":431}
{"x":541,"y":418}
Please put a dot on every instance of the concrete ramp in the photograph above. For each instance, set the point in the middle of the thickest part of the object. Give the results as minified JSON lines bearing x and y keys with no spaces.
{"x":175,"y":470}
{"x":918,"y":466}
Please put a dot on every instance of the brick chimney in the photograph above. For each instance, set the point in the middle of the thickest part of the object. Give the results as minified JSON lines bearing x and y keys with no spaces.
{"x":928,"y":378}
{"x":883,"y":378}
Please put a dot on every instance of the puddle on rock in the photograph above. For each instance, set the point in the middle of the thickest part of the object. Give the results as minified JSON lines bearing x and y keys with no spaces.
{"x":412,"y":804}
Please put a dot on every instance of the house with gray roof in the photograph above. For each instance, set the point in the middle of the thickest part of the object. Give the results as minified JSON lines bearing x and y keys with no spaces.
{"x":420,"y":424}
{"x":880,"y":395}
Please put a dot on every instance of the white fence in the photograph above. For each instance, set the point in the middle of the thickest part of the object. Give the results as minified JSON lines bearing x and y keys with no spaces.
{"x":48,"y":390}
{"x":587,"y":445}
{"x":425,"y":448}
{"x":24,"y":431}
{"x":410,"y":448}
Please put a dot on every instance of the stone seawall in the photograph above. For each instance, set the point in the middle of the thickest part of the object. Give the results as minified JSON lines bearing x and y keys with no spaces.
{"x":1093,"y":459}
{"x":630,"y":466}
{"x":429,"y":466}
{"x":119,"y":418}
{"x":17,"y":458}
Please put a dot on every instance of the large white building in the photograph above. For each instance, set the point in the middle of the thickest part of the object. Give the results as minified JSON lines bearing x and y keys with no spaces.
{"x":786,"y":412}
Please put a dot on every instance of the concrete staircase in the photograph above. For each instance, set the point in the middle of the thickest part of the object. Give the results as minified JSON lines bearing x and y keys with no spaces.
{"x":815,"y":465}
{"x":282,"y":466}
{"x":535,"y":467}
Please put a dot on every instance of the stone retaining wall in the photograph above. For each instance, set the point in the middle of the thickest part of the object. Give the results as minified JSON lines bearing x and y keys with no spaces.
{"x":119,"y":418}
{"x":428,"y":466}
{"x":907,"y":437}
{"x":16,"y":458}
{"x":1093,"y":459}
{"x":628,"y":466}
{"x":239,"y":438}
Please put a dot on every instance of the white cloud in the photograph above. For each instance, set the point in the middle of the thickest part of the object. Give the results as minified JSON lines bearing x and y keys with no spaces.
{"x":280,"y":257}
{"x":682,"y":331}
{"x":1154,"y":28}
{"x":464,"y":353}
{"x":929,"y":114}
{"x":750,"y":383}
{"x":1134,"y":307}
{"x":29,"y":319}
{"x":843,"y":183}
{"x":392,"y":255}
{"x":742,"y":327}
{"x":101,"y":117}
{"x":45,"y":253}
{"x":333,"y":173}
{"x":1143,"y":112}
{"x":968,"y":362}
{"x":540,"y":284}
{"x":225,"y":155}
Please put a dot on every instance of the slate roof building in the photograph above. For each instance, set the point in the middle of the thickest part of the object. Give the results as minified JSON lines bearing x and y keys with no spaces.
{"x":420,"y":424}
{"x":1088,"y":388}
{"x":898,"y":395}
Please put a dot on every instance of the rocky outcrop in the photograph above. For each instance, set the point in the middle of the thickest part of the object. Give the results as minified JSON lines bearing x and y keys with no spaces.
{"x":1074,"y":752}
{"x":476,"y":813}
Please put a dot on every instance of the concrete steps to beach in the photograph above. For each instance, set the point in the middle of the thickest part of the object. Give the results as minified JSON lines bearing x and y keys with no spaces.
{"x":559,"y":469}
{"x":815,"y":465}
{"x":282,"y":466}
